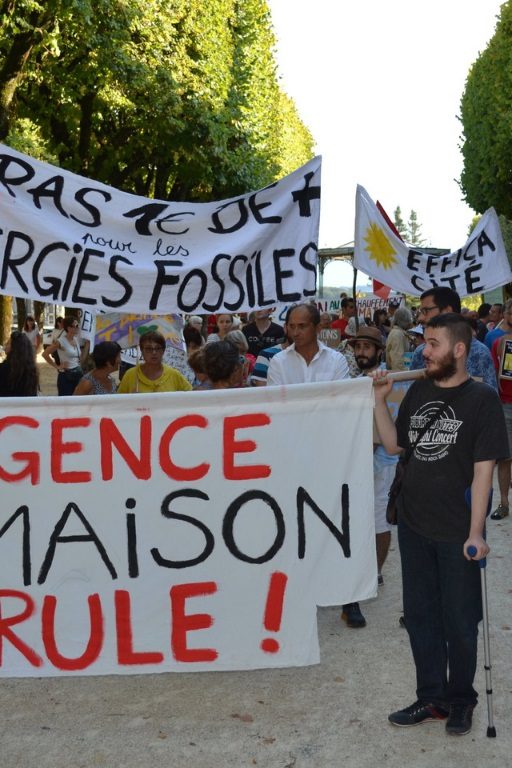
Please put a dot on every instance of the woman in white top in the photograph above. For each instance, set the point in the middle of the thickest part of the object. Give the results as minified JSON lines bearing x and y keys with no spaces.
{"x":224,"y":324}
{"x":31,"y":330}
{"x":69,"y":367}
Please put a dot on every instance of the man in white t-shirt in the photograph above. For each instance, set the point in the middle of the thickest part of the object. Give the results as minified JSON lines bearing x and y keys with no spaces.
{"x":306,"y":359}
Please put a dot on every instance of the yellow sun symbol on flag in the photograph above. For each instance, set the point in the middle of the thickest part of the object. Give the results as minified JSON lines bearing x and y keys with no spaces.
{"x":379,"y":247}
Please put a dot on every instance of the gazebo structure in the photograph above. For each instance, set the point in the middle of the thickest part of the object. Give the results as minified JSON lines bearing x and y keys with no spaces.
{"x":346,"y":253}
{"x":326,"y":255}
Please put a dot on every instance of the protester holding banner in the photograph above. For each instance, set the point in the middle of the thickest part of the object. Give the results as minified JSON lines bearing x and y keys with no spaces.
{"x":307,"y":359}
{"x":153,"y":375}
{"x":70,"y":357}
{"x":368,"y":347}
{"x":346,"y":348}
{"x":441,"y":514}
{"x":99,"y":381}
{"x":18,"y":372}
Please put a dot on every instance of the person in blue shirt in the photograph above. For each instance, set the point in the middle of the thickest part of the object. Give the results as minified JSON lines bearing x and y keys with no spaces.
{"x":438,"y":301}
{"x":505,"y":326}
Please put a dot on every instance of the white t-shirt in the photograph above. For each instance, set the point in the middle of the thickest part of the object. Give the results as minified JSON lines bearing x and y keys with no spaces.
{"x":69,"y":353}
{"x":289,"y":367}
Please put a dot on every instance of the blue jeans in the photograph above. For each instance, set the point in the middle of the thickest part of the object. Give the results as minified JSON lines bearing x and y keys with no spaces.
{"x":442,"y":609}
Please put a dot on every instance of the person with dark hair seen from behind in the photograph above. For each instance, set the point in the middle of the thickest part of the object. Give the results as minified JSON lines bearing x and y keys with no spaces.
{"x":99,"y":381}
{"x":442,"y":507}
{"x":31,"y":330}
{"x":223,"y":364}
{"x":237,"y":338}
{"x":153,"y":375}
{"x":18,"y":372}
{"x":482,"y":320}
{"x":70,"y":357}
{"x":193,"y":338}
{"x":196,"y":364}
{"x":439,"y":301}
{"x":398,"y":343}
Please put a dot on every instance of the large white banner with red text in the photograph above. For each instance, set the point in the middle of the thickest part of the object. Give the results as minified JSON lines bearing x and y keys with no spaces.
{"x":184,"y":531}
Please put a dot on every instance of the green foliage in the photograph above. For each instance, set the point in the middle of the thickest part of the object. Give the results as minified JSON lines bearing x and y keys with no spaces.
{"x":486,"y":116}
{"x":173,"y":99}
{"x":400,"y":223}
{"x":410,"y":232}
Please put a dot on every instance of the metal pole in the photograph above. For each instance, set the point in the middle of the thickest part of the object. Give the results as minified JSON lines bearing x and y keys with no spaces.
{"x":491,"y":730}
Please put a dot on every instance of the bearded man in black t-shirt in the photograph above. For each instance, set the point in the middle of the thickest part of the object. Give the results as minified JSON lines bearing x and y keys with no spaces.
{"x":441,"y":514}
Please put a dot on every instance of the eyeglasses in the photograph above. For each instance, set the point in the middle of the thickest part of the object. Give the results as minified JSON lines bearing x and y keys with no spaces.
{"x":426,"y":310}
{"x":152,"y":348}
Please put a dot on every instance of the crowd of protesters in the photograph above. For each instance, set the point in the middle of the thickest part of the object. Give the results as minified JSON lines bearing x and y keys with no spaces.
{"x":231,"y":351}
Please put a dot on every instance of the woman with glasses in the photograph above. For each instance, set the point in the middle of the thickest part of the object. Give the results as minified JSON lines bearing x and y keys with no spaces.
{"x":70,"y":363}
{"x":152,"y":375}
{"x":18,"y":372}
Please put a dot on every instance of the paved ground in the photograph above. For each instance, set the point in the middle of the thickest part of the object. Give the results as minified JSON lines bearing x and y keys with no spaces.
{"x":333,"y":714}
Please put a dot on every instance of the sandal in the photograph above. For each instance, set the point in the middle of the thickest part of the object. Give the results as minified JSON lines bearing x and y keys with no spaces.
{"x":500,"y":512}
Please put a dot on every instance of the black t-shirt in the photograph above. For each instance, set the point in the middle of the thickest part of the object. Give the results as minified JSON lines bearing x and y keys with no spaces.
{"x":258,"y":341}
{"x":471,"y":428}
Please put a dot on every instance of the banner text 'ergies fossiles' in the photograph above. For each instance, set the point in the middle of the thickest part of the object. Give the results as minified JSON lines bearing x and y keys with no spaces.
{"x":66,"y":241}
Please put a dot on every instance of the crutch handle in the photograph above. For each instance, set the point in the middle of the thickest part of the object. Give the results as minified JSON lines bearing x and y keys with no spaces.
{"x":472,"y":552}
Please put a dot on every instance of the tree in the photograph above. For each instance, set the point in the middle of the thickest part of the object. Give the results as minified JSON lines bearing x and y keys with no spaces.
{"x":410,"y":232}
{"x":414,"y":230}
{"x":400,"y":223}
{"x":174,"y":99}
{"x":486,"y":106}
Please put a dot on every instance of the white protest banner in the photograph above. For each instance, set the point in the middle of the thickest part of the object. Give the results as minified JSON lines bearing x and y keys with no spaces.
{"x":480,"y":265}
{"x":69,"y":240}
{"x":182,"y":531}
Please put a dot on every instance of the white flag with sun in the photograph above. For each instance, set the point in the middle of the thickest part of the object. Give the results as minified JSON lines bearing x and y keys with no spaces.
{"x":481,"y":264}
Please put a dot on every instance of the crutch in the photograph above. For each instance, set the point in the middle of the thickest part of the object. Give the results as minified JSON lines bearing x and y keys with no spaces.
{"x":491,"y":730}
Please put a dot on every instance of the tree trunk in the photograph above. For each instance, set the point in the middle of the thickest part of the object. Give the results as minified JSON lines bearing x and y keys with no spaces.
{"x":21,"y":312}
{"x":39,"y":314}
{"x":5,"y":318}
